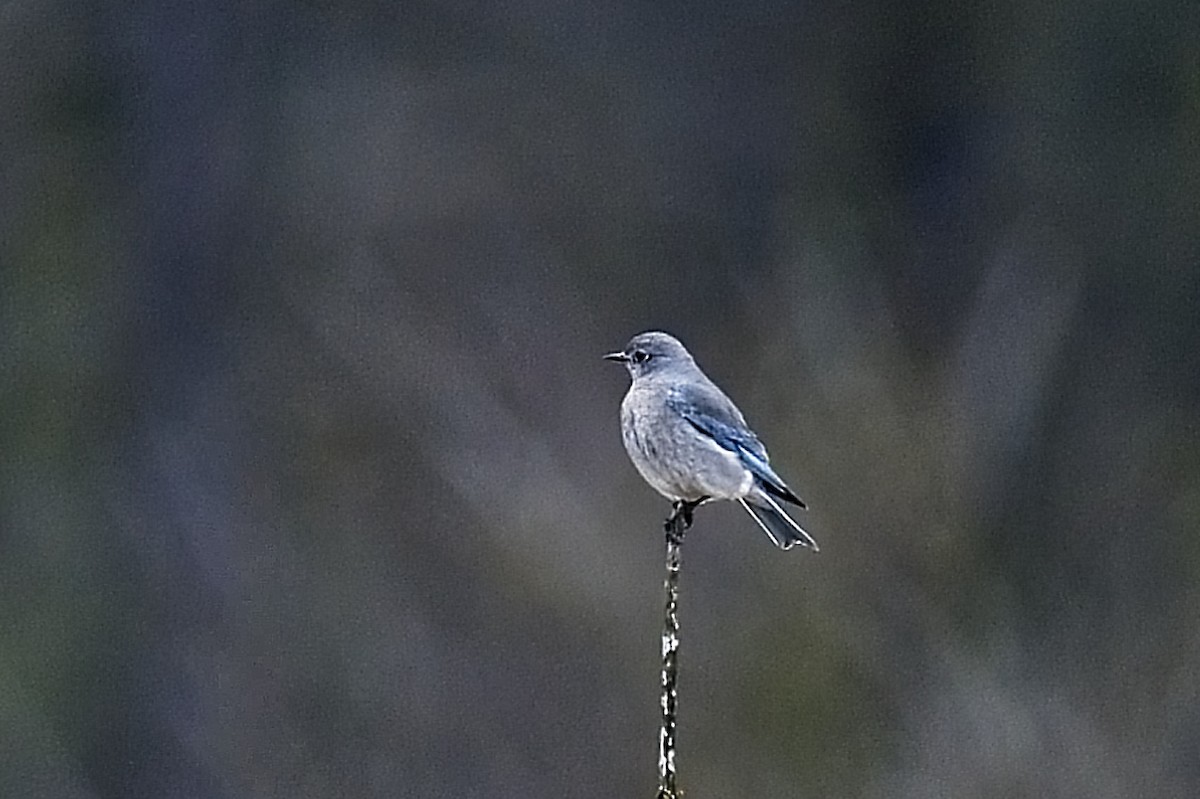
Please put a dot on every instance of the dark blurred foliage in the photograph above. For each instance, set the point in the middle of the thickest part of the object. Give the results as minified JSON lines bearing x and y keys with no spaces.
{"x":311,"y":480}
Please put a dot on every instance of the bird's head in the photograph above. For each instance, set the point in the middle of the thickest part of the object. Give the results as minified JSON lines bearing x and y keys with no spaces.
{"x":648,"y":353}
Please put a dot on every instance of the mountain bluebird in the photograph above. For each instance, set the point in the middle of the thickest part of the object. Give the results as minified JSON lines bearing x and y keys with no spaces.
{"x":690,"y":442}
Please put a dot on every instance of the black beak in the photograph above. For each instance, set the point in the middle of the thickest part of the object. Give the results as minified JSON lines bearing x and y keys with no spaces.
{"x":616,"y":356}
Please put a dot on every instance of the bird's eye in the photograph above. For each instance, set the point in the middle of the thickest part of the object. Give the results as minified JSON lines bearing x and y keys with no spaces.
{"x":640,"y":356}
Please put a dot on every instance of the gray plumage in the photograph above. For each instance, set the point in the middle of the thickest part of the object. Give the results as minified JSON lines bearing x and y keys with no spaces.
{"x":691,"y":443}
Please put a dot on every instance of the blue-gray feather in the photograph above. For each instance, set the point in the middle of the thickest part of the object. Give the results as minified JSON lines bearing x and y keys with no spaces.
{"x":716,"y":417}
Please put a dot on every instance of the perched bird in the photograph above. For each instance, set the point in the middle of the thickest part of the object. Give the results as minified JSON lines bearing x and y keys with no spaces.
{"x":691,"y":444}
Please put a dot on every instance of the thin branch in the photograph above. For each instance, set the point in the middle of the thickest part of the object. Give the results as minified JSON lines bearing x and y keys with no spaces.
{"x":675,"y":526}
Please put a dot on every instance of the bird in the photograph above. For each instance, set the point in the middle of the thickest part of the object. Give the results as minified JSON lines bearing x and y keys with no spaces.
{"x":691,"y":443}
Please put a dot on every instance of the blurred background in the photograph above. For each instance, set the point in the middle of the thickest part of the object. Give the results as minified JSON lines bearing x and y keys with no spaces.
{"x":311,"y":479}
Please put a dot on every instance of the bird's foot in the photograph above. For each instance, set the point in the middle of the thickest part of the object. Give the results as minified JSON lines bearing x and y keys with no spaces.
{"x":676,"y":525}
{"x":681,"y":518}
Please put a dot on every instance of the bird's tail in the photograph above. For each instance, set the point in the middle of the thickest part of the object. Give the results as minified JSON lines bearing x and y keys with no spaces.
{"x":775,"y":522}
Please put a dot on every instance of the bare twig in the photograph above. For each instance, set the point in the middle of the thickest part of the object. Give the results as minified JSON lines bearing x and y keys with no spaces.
{"x":676,"y":526}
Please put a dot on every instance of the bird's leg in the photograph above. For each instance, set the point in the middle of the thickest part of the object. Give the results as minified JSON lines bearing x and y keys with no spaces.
{"x":678,"y":522}
{"x":681,"y":518}
{"x":670,"y":524}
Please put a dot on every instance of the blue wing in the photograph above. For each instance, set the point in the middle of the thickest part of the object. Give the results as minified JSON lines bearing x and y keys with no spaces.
{"x":715,"y":416}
